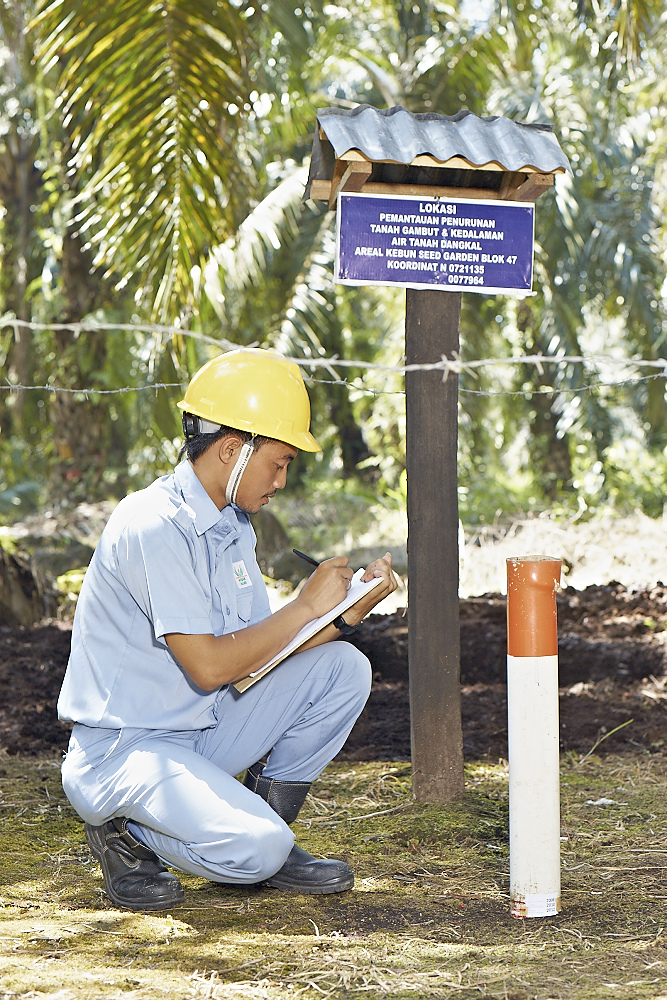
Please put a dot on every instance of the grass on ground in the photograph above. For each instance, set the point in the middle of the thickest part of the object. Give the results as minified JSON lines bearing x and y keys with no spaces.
{"x":429,"y":915}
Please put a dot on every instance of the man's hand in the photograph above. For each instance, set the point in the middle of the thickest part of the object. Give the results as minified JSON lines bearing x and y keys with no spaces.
{"x":327,"y":586}
{"x":382,"y":568}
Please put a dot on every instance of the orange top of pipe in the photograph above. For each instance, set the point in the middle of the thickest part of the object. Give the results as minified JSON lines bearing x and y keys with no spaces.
{"x":532,"y":582}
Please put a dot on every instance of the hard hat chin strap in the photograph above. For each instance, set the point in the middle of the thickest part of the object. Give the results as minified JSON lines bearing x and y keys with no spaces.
{"x":235,"y":475}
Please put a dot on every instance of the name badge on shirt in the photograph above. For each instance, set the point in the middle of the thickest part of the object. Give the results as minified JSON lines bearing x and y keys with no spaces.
{"x":241,"y":575}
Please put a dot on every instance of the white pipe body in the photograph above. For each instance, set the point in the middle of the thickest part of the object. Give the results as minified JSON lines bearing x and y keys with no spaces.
{"x":534,"y":787}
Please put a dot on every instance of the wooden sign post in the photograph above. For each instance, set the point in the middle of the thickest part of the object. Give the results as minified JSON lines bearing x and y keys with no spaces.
{"x":432,"y":330}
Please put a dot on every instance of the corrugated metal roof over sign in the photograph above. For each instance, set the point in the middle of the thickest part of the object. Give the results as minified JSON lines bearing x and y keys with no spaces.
{"x":397,"y":134}
{"x":394,"y":138}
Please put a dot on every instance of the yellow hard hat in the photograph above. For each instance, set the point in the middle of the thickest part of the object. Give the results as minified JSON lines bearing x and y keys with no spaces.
{"x":253,"y":390}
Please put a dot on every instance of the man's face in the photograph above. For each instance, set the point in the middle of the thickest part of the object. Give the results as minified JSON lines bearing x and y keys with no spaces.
{"x":265,"y":473}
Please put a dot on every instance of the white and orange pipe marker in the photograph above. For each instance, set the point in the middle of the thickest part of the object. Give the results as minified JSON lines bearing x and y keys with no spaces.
{"x":532,"y":710}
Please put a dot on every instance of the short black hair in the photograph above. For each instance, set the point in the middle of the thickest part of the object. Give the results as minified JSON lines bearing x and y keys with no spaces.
{"x":196,"y":444}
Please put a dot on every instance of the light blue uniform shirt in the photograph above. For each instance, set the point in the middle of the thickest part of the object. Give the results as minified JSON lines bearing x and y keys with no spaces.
{"x":167,"y":561}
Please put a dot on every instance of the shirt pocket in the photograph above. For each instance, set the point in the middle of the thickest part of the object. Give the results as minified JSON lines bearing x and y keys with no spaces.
{"x":244,"y":606}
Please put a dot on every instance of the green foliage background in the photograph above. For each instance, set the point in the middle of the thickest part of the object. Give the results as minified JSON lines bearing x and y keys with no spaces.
{"x":153,"y":164}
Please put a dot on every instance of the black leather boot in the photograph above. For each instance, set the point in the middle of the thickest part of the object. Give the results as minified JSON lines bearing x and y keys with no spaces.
{"x":301,"y":872}
{"x":134,"y":877}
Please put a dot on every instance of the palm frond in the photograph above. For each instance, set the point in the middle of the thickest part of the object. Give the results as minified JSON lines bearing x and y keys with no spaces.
{"x":150,"y":95}
{"x":241,"y":261}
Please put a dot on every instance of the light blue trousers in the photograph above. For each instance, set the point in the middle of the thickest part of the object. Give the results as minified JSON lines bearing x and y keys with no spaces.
{"x":179,"y":790}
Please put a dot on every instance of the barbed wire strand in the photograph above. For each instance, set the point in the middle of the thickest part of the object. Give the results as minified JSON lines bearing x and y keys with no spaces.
{"x":155,"y":386}
{"x":538,"y":391}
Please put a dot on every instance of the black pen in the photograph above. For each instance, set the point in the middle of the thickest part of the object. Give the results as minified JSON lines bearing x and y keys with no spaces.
{"x":308,"y":559}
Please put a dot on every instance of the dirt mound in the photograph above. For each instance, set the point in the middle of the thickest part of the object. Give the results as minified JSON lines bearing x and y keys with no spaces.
{"x":612,"y":666}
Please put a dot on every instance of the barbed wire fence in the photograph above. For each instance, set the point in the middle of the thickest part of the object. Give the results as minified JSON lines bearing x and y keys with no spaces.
{"x":456,"y":365}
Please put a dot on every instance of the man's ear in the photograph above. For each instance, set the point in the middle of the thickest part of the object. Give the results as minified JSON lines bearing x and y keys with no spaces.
{"x":229,"y":447}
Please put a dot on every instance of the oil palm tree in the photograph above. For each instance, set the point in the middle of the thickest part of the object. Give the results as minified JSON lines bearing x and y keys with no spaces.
{"x":598,"y":266}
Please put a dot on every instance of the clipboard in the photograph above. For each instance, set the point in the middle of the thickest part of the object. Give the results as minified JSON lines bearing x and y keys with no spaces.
{"x":358,"y":589}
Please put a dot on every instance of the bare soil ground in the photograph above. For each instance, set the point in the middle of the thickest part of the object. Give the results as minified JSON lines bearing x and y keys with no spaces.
{"x":612,"y":665}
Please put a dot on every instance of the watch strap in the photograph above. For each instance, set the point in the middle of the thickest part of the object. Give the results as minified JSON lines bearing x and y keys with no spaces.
{"x":343,"y":627}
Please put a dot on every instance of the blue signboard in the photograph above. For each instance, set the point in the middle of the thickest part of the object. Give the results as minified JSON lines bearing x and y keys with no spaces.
{"x":454,"y":244}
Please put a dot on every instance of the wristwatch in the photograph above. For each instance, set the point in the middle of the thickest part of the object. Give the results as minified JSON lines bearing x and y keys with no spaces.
{"x":343,"y":627}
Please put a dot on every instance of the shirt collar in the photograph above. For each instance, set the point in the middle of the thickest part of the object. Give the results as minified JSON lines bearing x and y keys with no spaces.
{"x":205,"y":511}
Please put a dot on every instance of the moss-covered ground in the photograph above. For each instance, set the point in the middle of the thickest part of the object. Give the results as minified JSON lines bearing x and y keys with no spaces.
{"x":429,"y":915}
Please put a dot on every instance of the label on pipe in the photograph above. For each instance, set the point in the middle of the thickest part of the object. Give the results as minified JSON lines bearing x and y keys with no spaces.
{"x":535,"y":905}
